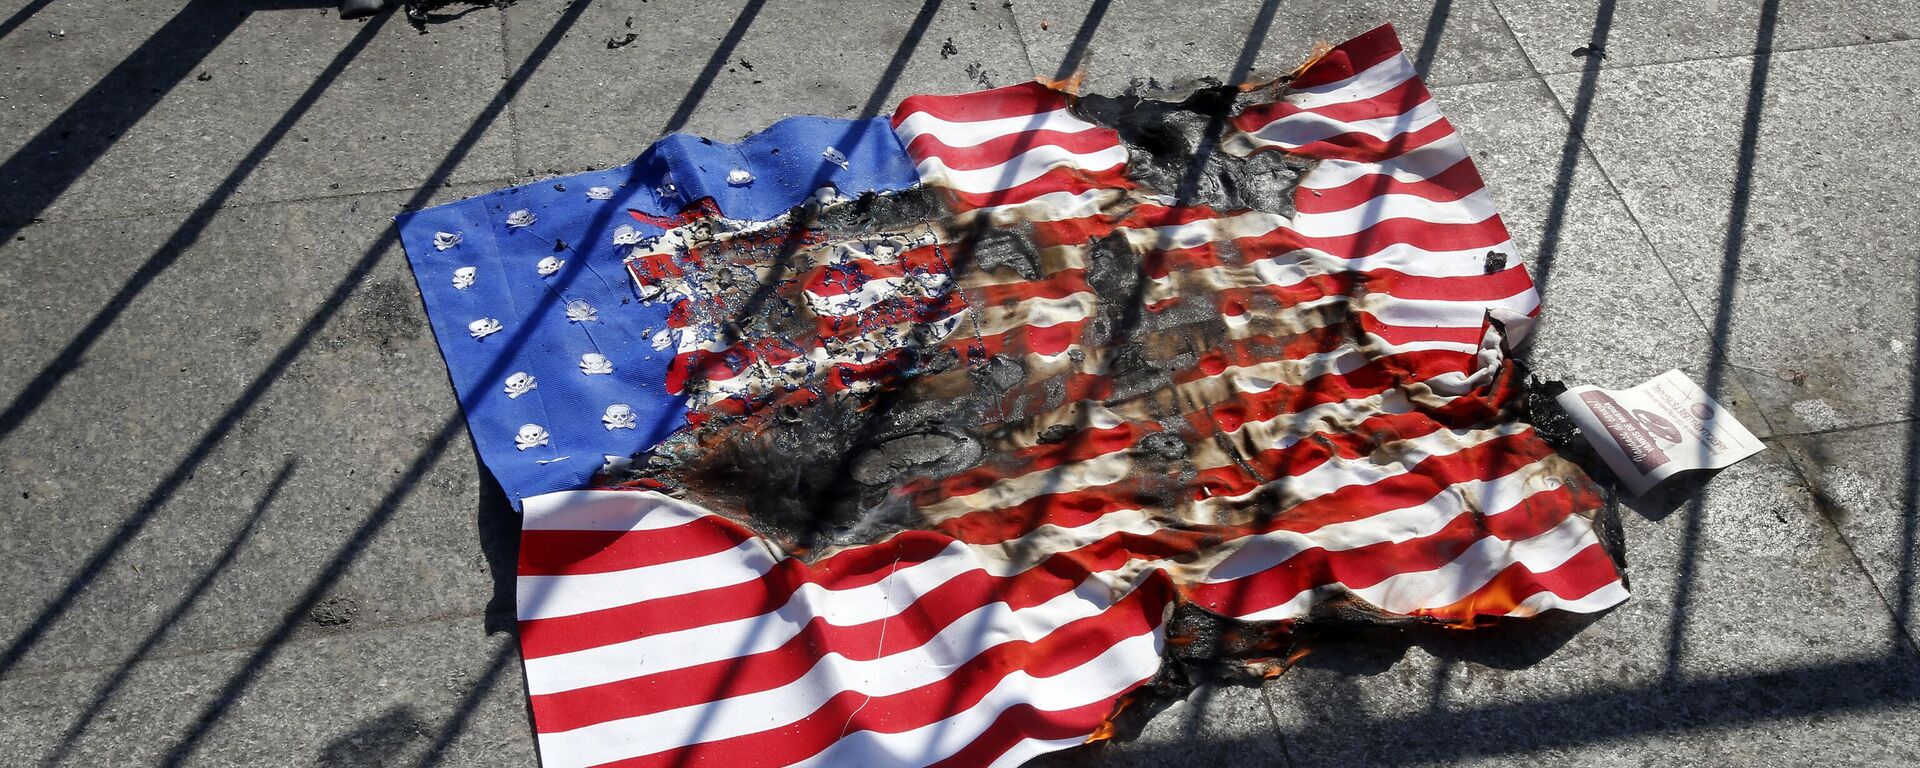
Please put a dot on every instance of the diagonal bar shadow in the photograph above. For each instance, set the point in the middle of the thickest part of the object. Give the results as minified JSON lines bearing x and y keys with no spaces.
{"x":848,"y":142}
{"x":1909,"y":513}
{"x":21,"y":16}
{"x":42,"y":168}
{"x":1723,"y":317}
{"x":186,"y":603}
{"x":182,"y":238}
{"x":383,"y":510}
{"x":1076,"y":54}
{"x":469,"y":704}
{"x":1430,"y":43}
{"x":1508,"y":730}
{"x":1571,"y":150}
{"x":42,"y":183}
{"x":721,"y":53}
{"x":431,"y":452}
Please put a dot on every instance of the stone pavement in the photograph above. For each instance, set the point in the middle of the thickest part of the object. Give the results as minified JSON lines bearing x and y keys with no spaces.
{"x":243,"y":523}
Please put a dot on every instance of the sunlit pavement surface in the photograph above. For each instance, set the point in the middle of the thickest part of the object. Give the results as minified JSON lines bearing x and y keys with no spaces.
{"x":243,"y":524}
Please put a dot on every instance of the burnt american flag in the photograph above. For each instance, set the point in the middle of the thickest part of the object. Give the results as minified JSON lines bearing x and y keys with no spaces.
{"x":953,"y":471}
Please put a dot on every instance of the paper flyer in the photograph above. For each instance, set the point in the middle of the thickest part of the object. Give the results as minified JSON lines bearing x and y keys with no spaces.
{"x":1658,"y":429}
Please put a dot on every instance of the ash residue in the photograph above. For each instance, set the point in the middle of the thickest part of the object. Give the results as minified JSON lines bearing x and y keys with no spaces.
{"x":872,"y":212}
{"x":334,"y":612}
{"x":1174,"y":147}
{"x":914,"y":454}
{"x":790,"y":475}
{"x":1538,"y":405}
{"x":1007,"y":248}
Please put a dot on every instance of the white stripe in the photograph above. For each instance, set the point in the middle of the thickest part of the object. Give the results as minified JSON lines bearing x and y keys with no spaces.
{"x":1441,"y":313}
{"x":1263,"y":552}
{"x":1287,"y":429}
{"x":1600,"y":599}
{"x":1418,"y":164}
{"x":1052,"y":206}
{"x":655,"y":654}
{"x":1105,"y":676}
{"x":1371,"y":82}
{"x":875,"y":291}
{"x":1025,"y":167}
{"x":1028,"y":749}
{"x":545,"y":597}
{"x":986,"y":627}
{"x":605,"y":511}
{"x":1339,"y":472}
{"x":970,"y":133}
{"x":1303,"y":128}
{"x":1471,"y":209}
{"x":1067,"y":478}
{"x":1448,"y":584}
{"x":1296,"y":267}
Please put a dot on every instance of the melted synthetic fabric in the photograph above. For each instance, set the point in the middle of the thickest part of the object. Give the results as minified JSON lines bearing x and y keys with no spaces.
{"x":856,"y":369}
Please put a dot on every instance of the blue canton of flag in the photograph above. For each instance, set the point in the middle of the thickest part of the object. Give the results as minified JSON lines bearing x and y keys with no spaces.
{"x":551,"y":350}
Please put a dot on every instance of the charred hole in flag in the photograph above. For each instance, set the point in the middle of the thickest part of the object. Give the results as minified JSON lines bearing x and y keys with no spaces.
{"x":816,"y":461}
{"x":918,"y":360}
{"x":1175,"y":147}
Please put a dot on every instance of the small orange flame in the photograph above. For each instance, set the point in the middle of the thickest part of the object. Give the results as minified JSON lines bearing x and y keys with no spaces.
{"x":1320,"y":49}
{"x":1071,"y":83}
{"x":1107,"y":729}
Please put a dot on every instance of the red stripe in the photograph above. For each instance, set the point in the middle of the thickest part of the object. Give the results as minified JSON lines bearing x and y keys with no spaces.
{"x":1350,"y":58}
{"x":1024,"y":721}
{"x":1009,"y":101}
{"x":1367,"y":148}
{"x":1397,"y":100}
{"x":1057,"y":179}
{"x":562,"y":553}
{"x":1357,"y":568}
{"x":928,"y":614}
{"x":1457,"y":181}
{"x":962,"y":687}
{"x":1071,"y":509}
{"x":844,"y":570}
{"x":1579,"y":576}
{"x":1058,"y":285}
{"x":1001,"y":149}
{"x":1080,"y":446}
{"x":1283,"y":241}
{"x":1484,"y":461}
{"x":1491,"y":287}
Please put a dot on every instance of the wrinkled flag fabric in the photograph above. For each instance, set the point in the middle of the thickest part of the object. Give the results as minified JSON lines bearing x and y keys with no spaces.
{"x":950,"y":431}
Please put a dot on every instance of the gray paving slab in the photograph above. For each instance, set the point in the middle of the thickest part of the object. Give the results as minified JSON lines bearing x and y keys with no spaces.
{"x":441,"y":693}
{"x":1868,"y":481}
{"x":1586,"y":254}
{"x":263,"y":536}
{"x":1143,"y":44}
{"x":1821,"y":323}
{"x":1213,"y":726}
{"x":1647,"y":33}
{"x":141,"y":494}
{"x":179,"y":106}
{"x":724,"y":70}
